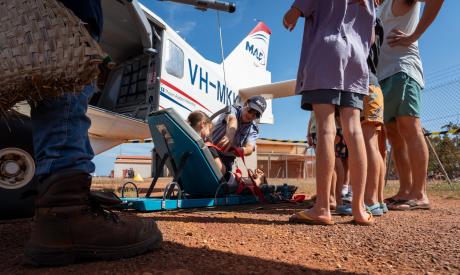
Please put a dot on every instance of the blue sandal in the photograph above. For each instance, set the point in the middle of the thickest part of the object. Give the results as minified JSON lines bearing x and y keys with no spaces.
{"x":343,"y":209}
{"x":375,"y":209}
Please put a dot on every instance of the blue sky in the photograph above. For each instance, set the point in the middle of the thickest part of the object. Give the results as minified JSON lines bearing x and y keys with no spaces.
{"x":439,"y":49}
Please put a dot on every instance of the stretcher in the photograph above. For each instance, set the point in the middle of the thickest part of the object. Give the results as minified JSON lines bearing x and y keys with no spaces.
{"x":197,"y":181}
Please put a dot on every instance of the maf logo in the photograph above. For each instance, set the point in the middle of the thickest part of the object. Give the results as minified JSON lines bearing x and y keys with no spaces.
{"x":253,"y":49}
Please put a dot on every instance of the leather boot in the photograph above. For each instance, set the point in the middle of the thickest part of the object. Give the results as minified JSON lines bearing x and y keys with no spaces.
{"x":69,"y":226}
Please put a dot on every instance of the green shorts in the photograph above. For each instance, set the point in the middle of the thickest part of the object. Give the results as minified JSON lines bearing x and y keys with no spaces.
{"x":401,"y":96}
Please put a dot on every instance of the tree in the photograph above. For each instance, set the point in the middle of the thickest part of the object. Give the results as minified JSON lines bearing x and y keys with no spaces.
{"x":448,"y":148}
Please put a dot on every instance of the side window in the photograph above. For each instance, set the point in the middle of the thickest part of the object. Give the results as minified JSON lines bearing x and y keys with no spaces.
{"x":175,"y":61}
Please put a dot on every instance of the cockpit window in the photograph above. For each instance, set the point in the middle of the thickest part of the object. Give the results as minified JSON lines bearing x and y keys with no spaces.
{"x":175,"y":61}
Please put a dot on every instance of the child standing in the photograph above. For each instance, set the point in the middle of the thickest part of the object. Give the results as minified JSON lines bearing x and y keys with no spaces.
{"x":333,"y":74}
{"x":372,"y":124}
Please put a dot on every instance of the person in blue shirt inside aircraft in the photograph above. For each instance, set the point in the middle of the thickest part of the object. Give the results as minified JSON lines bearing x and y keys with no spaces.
{"x":237,"y":129}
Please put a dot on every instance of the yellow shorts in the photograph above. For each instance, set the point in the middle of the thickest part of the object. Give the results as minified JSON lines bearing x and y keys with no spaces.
{"x":373,"y":107}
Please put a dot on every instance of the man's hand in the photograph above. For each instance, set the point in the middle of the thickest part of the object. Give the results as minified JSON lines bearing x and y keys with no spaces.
{"x":225,"y":143}
{"x":399,"y":38}
{"x":290,"y":18}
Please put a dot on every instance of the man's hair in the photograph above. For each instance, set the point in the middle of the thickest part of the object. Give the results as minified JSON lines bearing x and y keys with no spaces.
{"x":195,"y":117}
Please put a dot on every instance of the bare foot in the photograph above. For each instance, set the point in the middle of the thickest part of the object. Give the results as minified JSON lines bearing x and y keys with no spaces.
{"x":259,"y":177}
{"x":319,"y":213}
{"x":412,"y":205}
{"x":363,"y":218}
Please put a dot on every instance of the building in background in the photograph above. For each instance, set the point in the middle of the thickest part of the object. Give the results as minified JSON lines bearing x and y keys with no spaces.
{"x":141,"y":165}
{"x":276,"y":158}
{"x":285,"y":159}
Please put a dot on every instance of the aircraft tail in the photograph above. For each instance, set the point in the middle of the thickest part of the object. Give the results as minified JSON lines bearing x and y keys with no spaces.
{"x":246,"y":65}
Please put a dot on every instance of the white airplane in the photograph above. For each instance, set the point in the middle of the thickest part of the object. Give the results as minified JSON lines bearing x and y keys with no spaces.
{"x":155,"y":69}
{"x":158,"y":69}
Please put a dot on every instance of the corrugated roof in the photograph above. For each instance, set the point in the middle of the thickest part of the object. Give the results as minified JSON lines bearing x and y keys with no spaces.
{"x":272,"y":142}
{"x":134,"y":157}
{"x":133,"y":161}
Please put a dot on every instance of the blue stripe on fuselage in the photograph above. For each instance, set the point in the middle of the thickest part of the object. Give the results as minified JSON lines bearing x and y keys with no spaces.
{"x":175,"y":101}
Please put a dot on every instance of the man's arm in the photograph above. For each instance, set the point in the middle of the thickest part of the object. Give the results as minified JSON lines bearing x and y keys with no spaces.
{"x":300,"y":8}
{"x":248,"y":149}
{"x":227,"y":140}
{"x":250,"y":143}
{"x":399,"y":38}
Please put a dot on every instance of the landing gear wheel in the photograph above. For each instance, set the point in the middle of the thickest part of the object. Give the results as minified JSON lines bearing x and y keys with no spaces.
{"x":17,"y":168}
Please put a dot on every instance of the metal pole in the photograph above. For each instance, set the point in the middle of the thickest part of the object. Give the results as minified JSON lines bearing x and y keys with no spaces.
{"x":286,"y":162}
{"x":305,"y":169}
{"x":438,"y":160}
{"x":269,"y":165}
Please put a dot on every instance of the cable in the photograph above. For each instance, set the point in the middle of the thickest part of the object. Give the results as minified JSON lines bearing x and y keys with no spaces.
{"x":221,"y":47}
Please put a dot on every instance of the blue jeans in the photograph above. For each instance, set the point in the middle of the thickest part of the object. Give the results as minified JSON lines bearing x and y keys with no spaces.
{"x":60,"y":133}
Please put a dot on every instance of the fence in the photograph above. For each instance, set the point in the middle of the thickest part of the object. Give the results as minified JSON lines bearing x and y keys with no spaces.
{"x":440,"y":117}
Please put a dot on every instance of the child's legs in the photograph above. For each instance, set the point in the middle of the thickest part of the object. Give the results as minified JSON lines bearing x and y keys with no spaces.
{"x":374,"y":161}
{"x":346,"y":173}
{"x":332,"y":200}
{"x":372,"y":121}
{"x":340,"y":180}
{"x":383,"y":152}
{"x":417,"y":149}
{"x":401,"y":159}
{"x":351,"y":124}
{"x":324,"y":157}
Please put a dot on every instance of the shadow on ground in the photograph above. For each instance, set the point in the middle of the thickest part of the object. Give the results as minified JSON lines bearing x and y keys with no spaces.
{"x":173,"y":258}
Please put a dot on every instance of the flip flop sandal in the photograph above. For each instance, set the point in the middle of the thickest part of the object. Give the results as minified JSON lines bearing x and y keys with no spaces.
{"x":411,"y":205}
{"x":370,"y":221}
{"x":302,"y":217}
{"x":391,"y":200}
{"x":396,"y":204}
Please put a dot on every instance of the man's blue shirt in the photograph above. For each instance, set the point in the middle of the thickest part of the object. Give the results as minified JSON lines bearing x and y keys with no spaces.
{"x":246,"y":133}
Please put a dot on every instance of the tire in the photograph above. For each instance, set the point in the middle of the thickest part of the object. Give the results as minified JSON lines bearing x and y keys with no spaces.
{"x":17,"y":168}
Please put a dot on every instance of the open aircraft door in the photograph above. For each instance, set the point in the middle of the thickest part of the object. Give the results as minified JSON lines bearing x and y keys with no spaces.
{"x":128,"y":92}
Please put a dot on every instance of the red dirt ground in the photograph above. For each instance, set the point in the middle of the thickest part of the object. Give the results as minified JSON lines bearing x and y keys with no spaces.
{"x":257,"y":239}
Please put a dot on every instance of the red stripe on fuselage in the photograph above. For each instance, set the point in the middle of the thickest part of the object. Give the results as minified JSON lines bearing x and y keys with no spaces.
{"x":182,"y":93}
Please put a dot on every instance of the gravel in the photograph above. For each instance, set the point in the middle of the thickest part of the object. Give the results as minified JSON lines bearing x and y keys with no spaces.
{"x":255,"y":239}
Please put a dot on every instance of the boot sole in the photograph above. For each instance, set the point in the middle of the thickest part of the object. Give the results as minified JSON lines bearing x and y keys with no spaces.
{"x":50,"y":256}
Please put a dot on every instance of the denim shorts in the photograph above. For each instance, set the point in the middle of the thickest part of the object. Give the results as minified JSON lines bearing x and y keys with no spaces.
{"x":402,"y":96}
{"x":341,"y":99}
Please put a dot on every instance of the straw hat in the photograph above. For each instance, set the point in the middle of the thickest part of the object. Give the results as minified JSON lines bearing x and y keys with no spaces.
{"x":45,"y":50}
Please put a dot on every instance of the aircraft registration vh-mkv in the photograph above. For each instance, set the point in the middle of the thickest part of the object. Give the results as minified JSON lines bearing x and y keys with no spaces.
{"x":155,"y":69}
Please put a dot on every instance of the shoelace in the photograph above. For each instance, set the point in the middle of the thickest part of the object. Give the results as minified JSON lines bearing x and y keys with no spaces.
{"x":97,"y":210}
{"x":99,"y":205}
